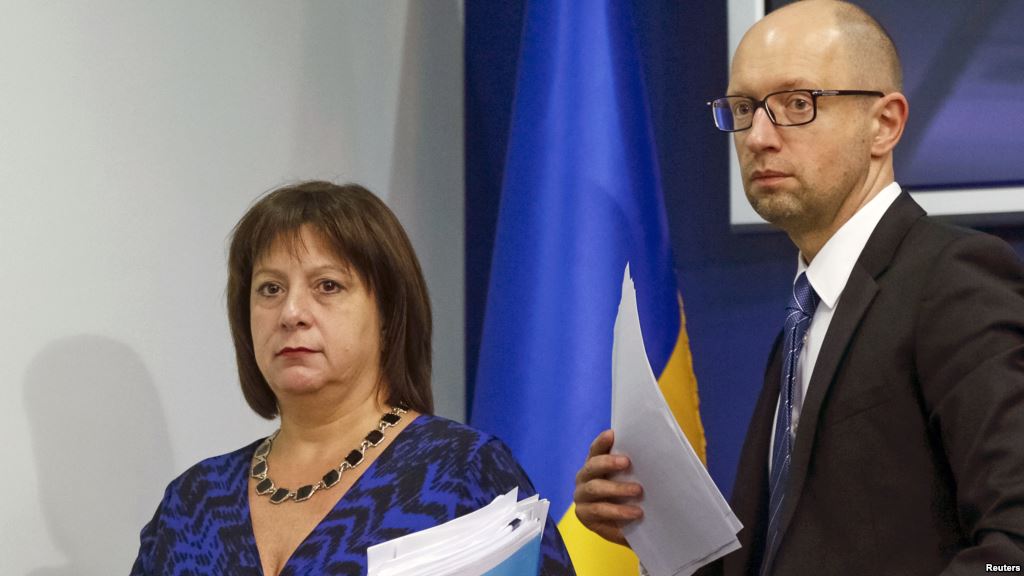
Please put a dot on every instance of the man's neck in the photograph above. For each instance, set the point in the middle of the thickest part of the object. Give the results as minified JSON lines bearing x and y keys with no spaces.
{"x":811,"y":241}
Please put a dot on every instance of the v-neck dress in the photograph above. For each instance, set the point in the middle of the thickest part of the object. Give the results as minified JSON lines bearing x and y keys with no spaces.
{"x":434,"y":471}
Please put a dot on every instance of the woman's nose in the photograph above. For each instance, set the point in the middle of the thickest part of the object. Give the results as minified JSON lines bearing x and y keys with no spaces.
{"x":296,"y":310}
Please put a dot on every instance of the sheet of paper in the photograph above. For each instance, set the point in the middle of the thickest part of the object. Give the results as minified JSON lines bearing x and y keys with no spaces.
{"x":687,"y":523}
{"x":498,"y":539}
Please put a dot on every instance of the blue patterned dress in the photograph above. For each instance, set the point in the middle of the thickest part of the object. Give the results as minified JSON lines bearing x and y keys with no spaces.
{"x":435,"y":470}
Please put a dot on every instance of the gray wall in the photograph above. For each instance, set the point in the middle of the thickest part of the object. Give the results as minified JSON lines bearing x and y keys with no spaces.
{"x":134,"y":135}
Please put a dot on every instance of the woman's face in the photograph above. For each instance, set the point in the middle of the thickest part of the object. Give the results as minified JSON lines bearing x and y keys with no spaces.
{"x":314,"y":323}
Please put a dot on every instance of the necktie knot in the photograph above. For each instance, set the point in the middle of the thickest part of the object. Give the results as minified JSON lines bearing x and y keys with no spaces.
{"x":804,"y":300}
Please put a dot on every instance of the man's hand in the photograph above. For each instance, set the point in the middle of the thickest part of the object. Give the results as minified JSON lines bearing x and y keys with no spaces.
{"x":601,"y":504}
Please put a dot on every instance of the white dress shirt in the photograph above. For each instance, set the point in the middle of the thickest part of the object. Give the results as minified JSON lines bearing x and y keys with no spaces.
{"x":827,"y":274}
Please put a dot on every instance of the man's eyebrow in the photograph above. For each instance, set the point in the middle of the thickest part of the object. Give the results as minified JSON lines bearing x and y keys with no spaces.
{"x":793,"y":84}
{"x":796,"y":83}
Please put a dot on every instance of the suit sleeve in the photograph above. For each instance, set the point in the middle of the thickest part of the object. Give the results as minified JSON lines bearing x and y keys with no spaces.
{"x":970,"y":360}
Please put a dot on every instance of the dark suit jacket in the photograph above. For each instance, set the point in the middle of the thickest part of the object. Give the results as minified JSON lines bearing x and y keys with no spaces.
{"x":909,"y":458}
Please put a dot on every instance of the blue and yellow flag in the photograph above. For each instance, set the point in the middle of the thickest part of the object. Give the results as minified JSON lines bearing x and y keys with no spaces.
{"x":581,"y":196}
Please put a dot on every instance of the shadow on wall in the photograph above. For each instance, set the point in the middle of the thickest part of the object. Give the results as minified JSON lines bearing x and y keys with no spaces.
{"x":102,"y":450}
{"x":427,"y":189}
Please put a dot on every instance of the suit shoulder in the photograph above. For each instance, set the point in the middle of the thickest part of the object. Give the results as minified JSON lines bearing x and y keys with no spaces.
{"x":938,"y":239}
{"x":937,"y":233}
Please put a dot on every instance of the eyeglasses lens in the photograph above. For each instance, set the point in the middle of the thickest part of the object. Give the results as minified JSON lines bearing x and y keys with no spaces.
{"x":791,"y":108}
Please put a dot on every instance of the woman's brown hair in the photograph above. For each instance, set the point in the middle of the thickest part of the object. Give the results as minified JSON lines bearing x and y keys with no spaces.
{"x":364,"y":232}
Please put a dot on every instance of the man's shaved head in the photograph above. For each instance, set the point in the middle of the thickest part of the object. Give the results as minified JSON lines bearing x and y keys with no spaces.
{"x":871,"y":50}
{"x":867,"y":47}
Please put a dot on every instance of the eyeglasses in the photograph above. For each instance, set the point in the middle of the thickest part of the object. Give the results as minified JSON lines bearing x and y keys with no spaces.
{"x":786,"y":108}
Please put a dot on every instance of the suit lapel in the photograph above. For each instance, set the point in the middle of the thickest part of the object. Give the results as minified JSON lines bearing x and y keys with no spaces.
{"x":859,"y":292}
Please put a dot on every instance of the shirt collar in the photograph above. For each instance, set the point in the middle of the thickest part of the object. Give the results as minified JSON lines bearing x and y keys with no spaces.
{"x":831,"y":268}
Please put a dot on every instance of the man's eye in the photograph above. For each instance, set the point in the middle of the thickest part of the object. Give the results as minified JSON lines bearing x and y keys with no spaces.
{"x":268,"y":289}
{"x":741,"y":109}
{"x":799,"y":104}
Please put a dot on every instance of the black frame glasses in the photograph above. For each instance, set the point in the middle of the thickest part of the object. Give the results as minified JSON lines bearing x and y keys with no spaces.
{"x":735,"y":113}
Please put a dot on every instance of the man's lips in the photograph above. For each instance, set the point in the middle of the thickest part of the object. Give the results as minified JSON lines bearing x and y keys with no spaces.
{"x":767,"y":176}
{"x":295,"y":351}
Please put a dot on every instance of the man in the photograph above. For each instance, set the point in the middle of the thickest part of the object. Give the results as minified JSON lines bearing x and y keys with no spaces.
{"x":889,"y":435}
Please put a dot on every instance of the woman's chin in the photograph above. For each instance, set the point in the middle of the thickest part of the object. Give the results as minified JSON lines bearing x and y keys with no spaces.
{"x":297,"y":383}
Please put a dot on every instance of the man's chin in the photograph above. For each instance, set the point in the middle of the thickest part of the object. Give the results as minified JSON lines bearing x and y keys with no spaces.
{"x":777,"y":208}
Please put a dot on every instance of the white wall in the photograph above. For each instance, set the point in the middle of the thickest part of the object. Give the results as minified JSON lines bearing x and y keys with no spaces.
{"x":133,"y":135}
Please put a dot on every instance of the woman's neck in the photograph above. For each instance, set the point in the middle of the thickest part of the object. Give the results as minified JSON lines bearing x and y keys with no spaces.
{"x":312,"y":428}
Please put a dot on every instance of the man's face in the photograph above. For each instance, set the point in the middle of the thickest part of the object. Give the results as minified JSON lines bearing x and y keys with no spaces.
{"x":799,"y":177}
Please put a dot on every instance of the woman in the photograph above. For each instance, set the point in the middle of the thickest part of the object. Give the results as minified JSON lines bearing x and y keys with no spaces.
{"x":331,"y":326}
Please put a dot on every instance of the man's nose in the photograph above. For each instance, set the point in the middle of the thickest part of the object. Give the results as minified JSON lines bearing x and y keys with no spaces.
{"x":763,"y":134}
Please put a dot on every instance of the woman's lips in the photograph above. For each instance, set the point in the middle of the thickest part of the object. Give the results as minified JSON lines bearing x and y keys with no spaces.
{"x":296,"y":351}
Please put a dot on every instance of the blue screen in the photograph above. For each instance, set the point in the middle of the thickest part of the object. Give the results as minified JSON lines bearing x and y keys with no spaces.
{"x":963,"y":73}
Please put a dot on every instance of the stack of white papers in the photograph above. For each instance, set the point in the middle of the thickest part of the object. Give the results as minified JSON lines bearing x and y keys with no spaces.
{"x":500,"y":539}
{"x":687,"y":523}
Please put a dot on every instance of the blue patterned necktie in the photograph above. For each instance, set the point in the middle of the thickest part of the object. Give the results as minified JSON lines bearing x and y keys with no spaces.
{"x":798,"y":317}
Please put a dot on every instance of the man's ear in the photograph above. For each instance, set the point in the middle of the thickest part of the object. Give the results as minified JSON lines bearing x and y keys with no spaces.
{"x":890,"y":119}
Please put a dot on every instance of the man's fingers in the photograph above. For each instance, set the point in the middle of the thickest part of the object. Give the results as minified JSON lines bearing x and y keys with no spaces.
{"x":601,"y":467}
{"x":602,"y":444}
{"x":607,"y":512}
{"x":606,"y":519}
{"x":598,"y":490}
{"x":599,"y":501}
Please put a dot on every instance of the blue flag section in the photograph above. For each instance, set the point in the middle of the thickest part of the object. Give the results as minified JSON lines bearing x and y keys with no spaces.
{"x":580,"y":197}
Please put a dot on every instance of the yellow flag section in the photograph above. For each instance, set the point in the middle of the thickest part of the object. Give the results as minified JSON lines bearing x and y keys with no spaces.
{"x":591,"y":554}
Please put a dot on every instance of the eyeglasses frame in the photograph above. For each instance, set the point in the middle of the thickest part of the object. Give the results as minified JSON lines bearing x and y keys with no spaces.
{"x":763,"y":103}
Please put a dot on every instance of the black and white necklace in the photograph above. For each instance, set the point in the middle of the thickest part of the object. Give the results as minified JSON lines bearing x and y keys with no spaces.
{"x":266,"y":487}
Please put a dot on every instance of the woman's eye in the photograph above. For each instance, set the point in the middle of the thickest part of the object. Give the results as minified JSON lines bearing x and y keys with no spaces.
{"x":330,"y":286}
{"x":268,"y":289}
